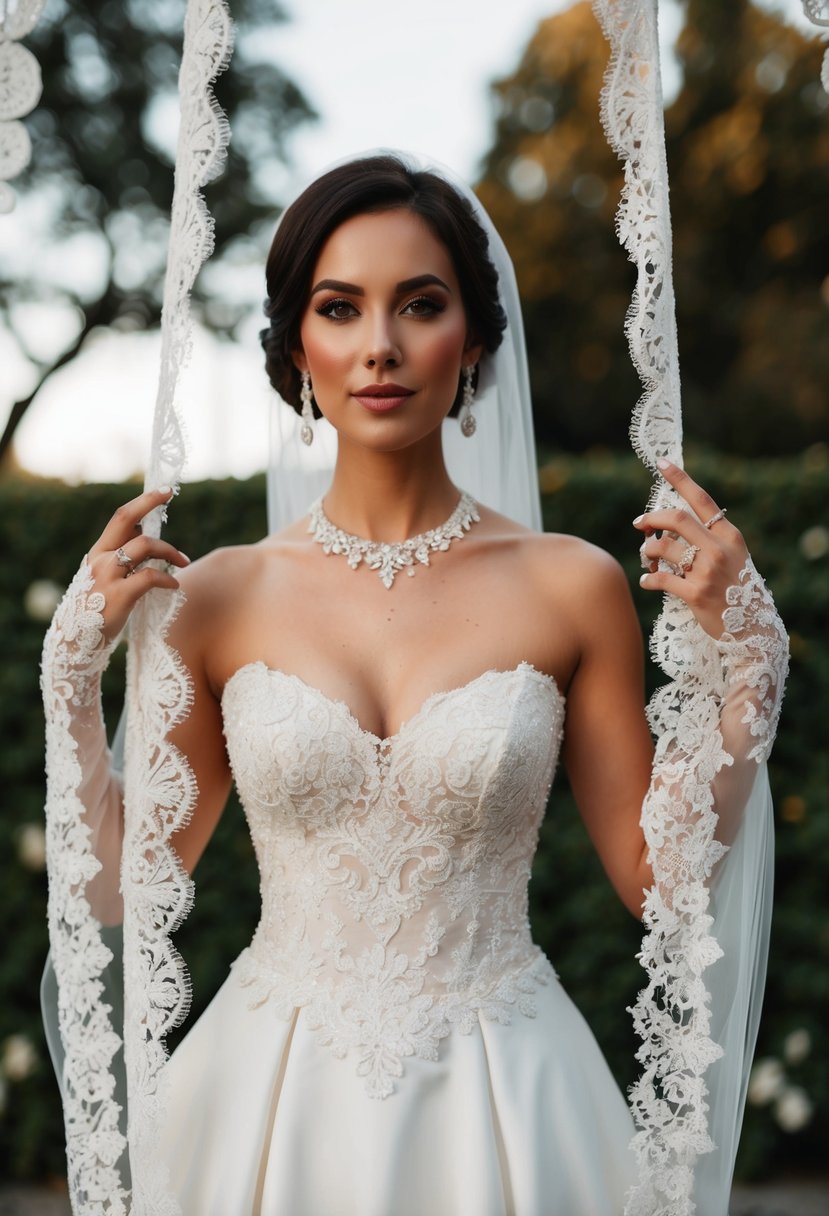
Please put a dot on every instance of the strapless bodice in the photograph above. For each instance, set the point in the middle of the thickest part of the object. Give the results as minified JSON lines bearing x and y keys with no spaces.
{"x":393,"y":871}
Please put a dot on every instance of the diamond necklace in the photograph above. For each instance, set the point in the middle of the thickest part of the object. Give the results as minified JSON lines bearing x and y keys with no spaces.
{"x":389,"y":559}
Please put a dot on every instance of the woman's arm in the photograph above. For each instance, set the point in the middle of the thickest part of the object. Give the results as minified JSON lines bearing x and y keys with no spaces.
{"x":76,"y":651}
{"x":713,"y":729}
{"x":608,"y":749}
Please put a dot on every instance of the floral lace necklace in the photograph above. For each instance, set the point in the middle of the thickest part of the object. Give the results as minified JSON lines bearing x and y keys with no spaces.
{"x":389,"y":559}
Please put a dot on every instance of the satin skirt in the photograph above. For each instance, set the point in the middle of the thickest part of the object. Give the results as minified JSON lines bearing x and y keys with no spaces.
{"x":522,"y":1119}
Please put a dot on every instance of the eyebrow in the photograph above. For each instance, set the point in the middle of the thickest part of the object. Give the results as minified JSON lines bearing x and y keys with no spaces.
{"x":351,"y":289}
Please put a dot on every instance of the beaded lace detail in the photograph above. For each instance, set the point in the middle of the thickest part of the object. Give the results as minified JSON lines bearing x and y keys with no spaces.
{"x":389,"y":559}
{"x":393,"y":872}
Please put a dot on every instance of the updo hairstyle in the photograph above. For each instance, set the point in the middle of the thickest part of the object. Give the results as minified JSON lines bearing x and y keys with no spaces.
{"x":373,"y":184}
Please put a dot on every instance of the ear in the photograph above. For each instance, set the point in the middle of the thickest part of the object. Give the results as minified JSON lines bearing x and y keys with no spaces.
{"x":472,"y":351}
{"x":300,"y":362}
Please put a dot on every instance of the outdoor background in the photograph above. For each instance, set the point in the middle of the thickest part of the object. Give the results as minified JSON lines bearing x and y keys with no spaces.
{"x":514,"y":107}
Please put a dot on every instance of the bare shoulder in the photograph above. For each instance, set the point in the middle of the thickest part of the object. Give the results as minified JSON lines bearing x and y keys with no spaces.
{"x":561,"y":564}
{"x":208,"y":581}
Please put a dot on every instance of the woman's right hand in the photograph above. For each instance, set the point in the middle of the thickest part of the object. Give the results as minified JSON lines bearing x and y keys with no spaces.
{"x":123,"y":585}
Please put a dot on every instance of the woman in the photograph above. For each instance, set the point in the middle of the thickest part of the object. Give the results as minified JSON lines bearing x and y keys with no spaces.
{"x":392,"y":1041}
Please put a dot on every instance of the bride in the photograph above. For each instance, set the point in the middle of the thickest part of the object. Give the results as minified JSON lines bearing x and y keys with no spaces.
{"x":386,"y":679}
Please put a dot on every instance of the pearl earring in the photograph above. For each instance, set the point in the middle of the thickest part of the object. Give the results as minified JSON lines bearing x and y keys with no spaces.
{"x":306,"y":433}
{"x":466,"y":417}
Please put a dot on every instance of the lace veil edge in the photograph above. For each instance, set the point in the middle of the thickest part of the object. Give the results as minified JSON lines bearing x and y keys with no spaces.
{"x":110,"y":1062}
{"x":705,"y":949}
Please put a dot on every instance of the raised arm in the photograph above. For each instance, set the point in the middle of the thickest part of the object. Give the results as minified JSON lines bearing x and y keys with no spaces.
{"x":724,"y":645}
{"x":76,"y":651}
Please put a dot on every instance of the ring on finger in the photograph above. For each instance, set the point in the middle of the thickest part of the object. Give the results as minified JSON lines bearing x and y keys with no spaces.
{"x":123,"y":558}
{"x":687,"y":560}
{"x":715,"y":519}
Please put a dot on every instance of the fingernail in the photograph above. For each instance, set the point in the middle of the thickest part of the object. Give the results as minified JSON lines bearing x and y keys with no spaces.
{"x":638,"y":520}
{"x":184,"y":555}
{"x":642,"y":579}
{"x":662,"y":463}
{"x":165,"y":490}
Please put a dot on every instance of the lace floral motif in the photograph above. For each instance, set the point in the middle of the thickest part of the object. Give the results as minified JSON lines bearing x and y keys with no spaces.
{"x":631,"y":110}
{"x":747,"y":670}
{"x":74,"y":655}
{"x":159,"y":787}
{"x":394,"y":872}
{"x":698,"y":735}
{"x":818,"y":12}
{"x":20,"y":88}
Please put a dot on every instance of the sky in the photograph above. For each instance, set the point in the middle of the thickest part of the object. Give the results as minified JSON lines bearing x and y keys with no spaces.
{"x":378,"y":73}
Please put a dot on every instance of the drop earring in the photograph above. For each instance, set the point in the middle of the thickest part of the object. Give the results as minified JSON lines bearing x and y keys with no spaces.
{"x":306,"y":433}
{"x":466,"y":417}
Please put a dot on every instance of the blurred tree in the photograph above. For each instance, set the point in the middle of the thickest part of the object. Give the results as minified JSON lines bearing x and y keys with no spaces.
{"x":101,"y":175}
{"x":748,"y":150}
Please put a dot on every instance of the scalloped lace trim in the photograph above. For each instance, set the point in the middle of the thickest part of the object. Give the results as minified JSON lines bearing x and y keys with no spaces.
{"x":74,"y":655}
{"x":671,"y":1015}
{"x":160,"y":787}
{"x":817,"y":12}
{"x":20,"y":89}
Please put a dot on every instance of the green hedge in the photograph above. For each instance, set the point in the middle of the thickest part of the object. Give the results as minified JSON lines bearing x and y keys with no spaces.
{"x":783,"y":508}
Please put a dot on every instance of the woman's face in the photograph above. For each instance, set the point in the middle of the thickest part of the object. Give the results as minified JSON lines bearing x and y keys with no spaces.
{"x":384,"y":334}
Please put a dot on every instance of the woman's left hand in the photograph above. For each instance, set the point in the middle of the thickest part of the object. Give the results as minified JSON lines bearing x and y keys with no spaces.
{"x":707,"y":557}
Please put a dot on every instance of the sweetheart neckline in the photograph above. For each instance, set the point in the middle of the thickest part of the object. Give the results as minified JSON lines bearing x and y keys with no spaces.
{"x":523,"y":666}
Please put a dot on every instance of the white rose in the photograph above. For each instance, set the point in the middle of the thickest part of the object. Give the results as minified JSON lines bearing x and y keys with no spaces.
{"x":19,"y":1057}
{"x":766,"y":1081}
{"x":793,"y":1109}
{"x":31,"y":846}
{"x":796,"y":1046}
{"x":42,"y":598}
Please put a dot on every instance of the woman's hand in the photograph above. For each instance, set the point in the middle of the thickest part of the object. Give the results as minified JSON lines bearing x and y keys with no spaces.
{"x":707,"y":557}
{"x":116,"y":560}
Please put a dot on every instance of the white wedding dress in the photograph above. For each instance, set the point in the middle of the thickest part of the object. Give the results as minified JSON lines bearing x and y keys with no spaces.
{"x":392,"y":1043}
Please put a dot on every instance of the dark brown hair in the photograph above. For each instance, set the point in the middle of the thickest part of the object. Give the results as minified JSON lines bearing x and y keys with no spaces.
{"x":373,"y":184}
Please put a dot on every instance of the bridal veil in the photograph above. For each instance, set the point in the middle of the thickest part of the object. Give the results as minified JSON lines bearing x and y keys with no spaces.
{"x":119,"y":986}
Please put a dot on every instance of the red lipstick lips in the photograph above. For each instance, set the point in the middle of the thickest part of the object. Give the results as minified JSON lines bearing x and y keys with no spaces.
{"x":382,"y":397}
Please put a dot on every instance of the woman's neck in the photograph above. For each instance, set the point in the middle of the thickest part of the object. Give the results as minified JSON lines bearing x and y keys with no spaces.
{"x":389,"y":496}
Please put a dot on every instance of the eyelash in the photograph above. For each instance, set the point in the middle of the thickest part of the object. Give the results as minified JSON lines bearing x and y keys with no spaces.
{"x":327,"y":309}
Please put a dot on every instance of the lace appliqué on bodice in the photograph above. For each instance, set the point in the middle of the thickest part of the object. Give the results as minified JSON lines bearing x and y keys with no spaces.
{"x":394,"y":872}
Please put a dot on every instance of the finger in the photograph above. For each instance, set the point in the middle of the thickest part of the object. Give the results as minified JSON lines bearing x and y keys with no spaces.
{"x":147,"y":577}
{"x":145,"y":548}
{"x":675,"y":520}
{"x":663,"y":580}
{"x":124,"y":523}
{"x":664,"y":548}
{"x":699,"y":500}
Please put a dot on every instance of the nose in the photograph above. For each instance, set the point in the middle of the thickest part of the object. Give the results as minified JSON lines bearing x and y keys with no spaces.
{"x":383,"y":351}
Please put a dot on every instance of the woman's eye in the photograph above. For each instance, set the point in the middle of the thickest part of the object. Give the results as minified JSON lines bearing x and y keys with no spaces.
{"x":337,"y":310}
{"x":424,"y":306}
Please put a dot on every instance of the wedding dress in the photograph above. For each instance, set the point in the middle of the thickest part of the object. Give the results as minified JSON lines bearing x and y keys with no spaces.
{"x":392,"y":1041}
{"x":392,"y":1037}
